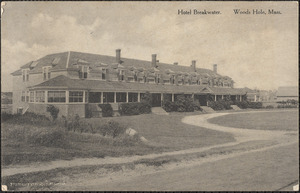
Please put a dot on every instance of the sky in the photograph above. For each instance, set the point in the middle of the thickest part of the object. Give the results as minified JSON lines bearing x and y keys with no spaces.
{"x":256,"y":50}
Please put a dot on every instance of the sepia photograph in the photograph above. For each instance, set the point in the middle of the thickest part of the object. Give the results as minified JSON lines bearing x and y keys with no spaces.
{"x":149,"y":96}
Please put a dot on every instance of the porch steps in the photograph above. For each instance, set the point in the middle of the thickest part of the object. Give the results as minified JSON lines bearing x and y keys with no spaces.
{"x":207,"y":109}
{"x":159,"y":111}
{"x":235,"y":107}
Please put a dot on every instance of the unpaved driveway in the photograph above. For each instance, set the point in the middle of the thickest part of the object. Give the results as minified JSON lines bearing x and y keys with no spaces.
{"x":241,"y":135}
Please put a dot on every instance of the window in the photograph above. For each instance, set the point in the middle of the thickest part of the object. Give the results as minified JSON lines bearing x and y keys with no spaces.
{"x":23,"y":99}
{"x":108,"y":97}
{"x":121,"y":97}
{"x":104,"y":72}
{"x":56,"y":96}
{"x":95,"y":97}
{"x":121,"y":75}
{"x":40,"y":96}
{"x":25,"y":74}
{"x":83,"y":73}
{"x":132,"y":97}
{"x":31,"y":97}
{"x":75,"y":96}
{"x":46,"y":72}
{"x":27,"y":96}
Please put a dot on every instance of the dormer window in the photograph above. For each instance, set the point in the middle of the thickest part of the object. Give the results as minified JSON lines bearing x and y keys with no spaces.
{"x":46,"y":72}
{"x":25,"y":74}
{"x":83,"y":73}
{"x":104,"y":73}
{"x":121,"y":75}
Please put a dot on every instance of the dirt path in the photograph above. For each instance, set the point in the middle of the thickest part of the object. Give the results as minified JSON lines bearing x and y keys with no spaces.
{"x":241,"y":135}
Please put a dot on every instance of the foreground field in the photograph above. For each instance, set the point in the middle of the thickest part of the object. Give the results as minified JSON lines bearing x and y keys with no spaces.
{"x":283,"y":120}
{"x":227,"y":166}
{"x":24,"y":144}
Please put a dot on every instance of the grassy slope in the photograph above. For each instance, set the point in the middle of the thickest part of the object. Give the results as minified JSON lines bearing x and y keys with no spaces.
{"x":166,"y":133}
{"x":169,"y":131}
{"x":285,"y":120}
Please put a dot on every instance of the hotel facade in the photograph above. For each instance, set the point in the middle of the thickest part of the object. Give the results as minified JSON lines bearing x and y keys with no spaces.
{"x":77,"y":82}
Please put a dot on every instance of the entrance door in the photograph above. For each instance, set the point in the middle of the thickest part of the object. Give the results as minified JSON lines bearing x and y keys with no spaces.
{"x":202,"y":99}
{"x":156,"y":100}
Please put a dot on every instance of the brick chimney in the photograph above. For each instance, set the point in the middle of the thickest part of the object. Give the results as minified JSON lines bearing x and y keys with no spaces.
{"x":216,"y":68}
{"x":153,"y":64}
{"x":176,"y":63}
{"x":118,"y":56}
{"x":193,"y":65}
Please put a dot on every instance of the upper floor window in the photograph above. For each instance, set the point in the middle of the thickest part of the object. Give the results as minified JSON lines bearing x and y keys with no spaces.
{"x":83,"y":73}
{"x":23,"y":97}
{"x":104,"y":73}
{"x":46,"y":72}
{"x":31,"y":97}
{"x":25,"y":74}
{"x":121,"y":75}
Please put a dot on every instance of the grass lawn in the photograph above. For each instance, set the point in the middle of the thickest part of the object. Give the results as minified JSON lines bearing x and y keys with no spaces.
{"x":168,"y":131}
{"x":23,"y":144}
{"x":284,"y":120}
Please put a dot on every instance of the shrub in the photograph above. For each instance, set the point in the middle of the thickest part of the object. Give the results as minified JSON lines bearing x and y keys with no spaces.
{"x":197,"y":106}
{"x":269,"y":107}
{"x":255,"y":105}
{"x":134,"y":108}
{"x":53,"y":111}
{"x":242,"y":104}
{"x":107,"y":110}
{"x":216,"y":105}
{"x":53,"y":137}
{"x":28,"y":118}
{"x":184,"y":104}
{"x":147,"y":98}
{"x":169,"y":106}
{"x":112,"y":128}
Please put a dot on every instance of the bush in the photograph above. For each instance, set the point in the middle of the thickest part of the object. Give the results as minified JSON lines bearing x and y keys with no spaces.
{"x":169,"y":106}
{"x":220,"y":105}
{"x":255,"y":105}
{"x":270,"y":107}
{"x":134,"y":108}
{"x":197,"y":106}
{"x":184,"y":104}
{"x":112,"y":128}
{"x":53,"y":111}
{"x":286,"y":106}
{"x":247,"y":104}
{"x":28,"y":118}
{"x":147,"y":98}
{"x":52,"y":137}
{"x":242,"y":104}
{"x":107,"y":110}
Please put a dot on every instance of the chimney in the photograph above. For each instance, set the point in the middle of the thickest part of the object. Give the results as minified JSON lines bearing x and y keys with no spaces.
{"x":176,"y":63}
{"x":154,"y":60}
{"x":118,"y":56}
{"x":216,"y":68}
{"x":194,"y":65}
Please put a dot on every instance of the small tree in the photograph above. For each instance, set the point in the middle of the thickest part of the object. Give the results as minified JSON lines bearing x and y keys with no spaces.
{"x":53,"y":111}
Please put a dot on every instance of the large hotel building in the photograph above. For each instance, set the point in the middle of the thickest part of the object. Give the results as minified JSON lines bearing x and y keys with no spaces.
{"x":75,"y":82}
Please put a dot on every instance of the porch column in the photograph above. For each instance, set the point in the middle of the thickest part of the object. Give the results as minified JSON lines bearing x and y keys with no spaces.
{"x":236,"y":97}
{"x":126,"y":97}
{"x":101,"y":98}
{"x":67,"y":96}
{"x":34,"y":96}
{"x":173,"y":98}
{"x":254,"y":98}
{"x":240,"y":97}
{"x":161,"y":98}
{"x":83,"y":99}
{"x":139,"y":97}
{"x":46,"y":96}
{"x":222,"y":97}
{"x":193,"y":97}
{"x":115,"y":97}
{"x":215,"y":97}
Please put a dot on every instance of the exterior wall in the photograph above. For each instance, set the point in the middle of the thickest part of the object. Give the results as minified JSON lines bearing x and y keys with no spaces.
{"x":19,"y":86}
{"x":42,"y":109}
{"x":74,"y":109}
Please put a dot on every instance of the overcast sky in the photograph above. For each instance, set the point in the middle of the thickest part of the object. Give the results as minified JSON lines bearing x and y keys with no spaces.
{"x":257,"y":51}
